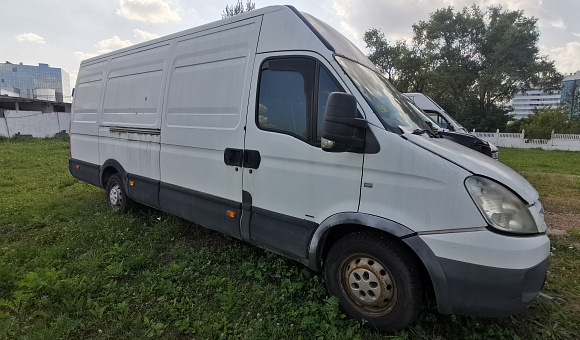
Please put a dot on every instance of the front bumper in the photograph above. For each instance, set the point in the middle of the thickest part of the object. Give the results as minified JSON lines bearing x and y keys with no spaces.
{"x":491,"y":292}
{"x":483,"y":273}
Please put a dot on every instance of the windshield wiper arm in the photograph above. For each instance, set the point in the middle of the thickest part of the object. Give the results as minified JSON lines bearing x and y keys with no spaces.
{"x":422,"y":131}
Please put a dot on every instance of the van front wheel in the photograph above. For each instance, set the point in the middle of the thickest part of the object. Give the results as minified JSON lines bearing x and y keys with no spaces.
{"x":375,"y":279}
{"x":116,"y":197}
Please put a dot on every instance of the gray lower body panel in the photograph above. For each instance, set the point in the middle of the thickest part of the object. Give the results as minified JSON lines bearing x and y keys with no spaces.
{"x":469,"y":289}
{"x":491,"y":292}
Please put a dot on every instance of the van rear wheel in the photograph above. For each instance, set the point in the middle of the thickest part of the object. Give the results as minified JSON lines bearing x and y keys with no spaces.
{"x":375,"y":279}
{"x":116,"y":197}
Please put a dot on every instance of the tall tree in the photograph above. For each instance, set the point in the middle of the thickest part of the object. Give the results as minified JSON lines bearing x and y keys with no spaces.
{"x":482,"y":60}
{"x":405,"y":68}
{"x":382,"y":53}
{"x":238,"y":8}
{"x":472,"y":62}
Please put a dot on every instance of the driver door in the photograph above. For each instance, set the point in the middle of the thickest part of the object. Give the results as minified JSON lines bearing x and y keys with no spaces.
{"x":294,"y":185}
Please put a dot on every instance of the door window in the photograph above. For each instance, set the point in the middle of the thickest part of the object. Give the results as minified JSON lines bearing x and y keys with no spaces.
{"x":292,"y":97}
{"x":326,"y":85}
{"x":286,"y":96}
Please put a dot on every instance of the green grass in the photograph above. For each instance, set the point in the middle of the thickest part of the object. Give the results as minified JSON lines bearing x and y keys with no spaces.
{"x":71,"y":269}
{"x":555,"y":174}
{"x":536,"y":160}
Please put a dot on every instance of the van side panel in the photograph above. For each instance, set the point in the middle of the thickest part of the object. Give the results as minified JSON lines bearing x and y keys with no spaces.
{"x":133,"y":91}
{"x":129,"y":131}
{"x":205,"y":106}
{"x":86,"y":109}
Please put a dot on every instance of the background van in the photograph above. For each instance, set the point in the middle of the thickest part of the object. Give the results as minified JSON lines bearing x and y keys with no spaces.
{"x":442,"y":118}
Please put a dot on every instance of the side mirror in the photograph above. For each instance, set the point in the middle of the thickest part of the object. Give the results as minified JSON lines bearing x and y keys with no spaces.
{"x":343,"y":129}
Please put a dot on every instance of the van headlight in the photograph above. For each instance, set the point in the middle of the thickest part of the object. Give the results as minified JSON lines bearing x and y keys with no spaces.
{"x":501,"y":208}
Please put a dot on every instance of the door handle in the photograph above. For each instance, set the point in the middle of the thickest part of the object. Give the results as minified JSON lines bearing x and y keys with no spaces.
{"x":233,"y":157}
{"x":252,"y":159}
{"x":246,"y":158}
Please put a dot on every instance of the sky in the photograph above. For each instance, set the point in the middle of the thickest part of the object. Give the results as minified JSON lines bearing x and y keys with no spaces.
{"x":64,"y":32}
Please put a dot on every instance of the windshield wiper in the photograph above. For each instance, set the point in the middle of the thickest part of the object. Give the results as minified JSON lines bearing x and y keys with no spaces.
{"x":422,"y":131}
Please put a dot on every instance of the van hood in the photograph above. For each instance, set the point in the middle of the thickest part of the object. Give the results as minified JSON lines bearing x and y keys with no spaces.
{"x":476,"y":163}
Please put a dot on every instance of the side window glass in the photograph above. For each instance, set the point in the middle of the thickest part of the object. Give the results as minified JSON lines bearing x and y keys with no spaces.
{"x":444,"y":122}
{"x":286,"y":96}
{"x":326,"y":85}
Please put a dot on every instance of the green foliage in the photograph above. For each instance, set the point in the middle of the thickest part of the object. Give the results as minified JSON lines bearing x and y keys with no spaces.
{"x":238,"y":8}
{"x":543,"y":121}
{"x":71,"y":269}
{"x":468,"y":61}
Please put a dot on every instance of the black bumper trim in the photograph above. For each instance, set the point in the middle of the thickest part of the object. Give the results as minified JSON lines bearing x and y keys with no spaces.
{"x":470,"y":289}
{"x":84,"y":171}
{"x":492,"y":292}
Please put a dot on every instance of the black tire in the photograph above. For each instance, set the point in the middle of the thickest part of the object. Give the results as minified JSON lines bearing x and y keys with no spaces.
{"x":116,"y":197}
{"x":375,"y":279}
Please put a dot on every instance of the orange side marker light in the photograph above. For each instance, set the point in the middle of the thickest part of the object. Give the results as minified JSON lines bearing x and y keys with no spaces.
{"x":131,"y":183}
{"x":231,"y":214}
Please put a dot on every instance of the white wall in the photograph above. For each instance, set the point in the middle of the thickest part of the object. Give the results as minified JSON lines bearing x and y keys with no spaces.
{"x":3,"y":128}
{"x":35,"y":123}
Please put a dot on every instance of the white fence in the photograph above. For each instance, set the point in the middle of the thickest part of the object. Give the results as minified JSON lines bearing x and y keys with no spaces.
{"x":517,"y":140}
{"x":34,"y":123}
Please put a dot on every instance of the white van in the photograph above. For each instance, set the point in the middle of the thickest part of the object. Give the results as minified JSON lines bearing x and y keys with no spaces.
{"x":442,"y":118}
{"x":273,"y":128}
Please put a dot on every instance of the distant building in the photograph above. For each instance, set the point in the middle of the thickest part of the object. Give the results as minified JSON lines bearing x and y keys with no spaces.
{"x":35,"y":82}
{"x":570,"y":83}
{"x":524,"y":103}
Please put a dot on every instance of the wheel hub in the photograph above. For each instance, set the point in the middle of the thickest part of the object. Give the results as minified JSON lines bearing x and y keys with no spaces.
{"x":115,"y":195}
{"x":369,"y":283}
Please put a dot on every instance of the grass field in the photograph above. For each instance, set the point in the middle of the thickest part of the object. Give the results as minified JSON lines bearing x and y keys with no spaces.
{"x":71,"y":269}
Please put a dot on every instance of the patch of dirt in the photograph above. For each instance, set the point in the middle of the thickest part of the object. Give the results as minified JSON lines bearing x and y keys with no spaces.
{"x":559,"y":223}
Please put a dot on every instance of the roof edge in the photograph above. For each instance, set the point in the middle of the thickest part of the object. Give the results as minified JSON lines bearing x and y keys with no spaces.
{"x":314,"y":30}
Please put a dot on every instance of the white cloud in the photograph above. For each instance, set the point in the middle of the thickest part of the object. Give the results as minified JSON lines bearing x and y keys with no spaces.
{"x":147,"y":10}
{"x":105,"y":46}
{"x":142,"y":35}
{"x":83,"y":55}
{"x":30,"y":37}
{"x":533,"y":8}
{"x":576,"y":34}
{"x":114,"y":43}
{"x":396,"y":17}
{"x":73,"y":78}
{"x":566,"y":57}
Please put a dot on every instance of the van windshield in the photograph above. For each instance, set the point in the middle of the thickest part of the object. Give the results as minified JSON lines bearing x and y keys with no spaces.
{"x":392,"y":108}
{"x":425,"y":117}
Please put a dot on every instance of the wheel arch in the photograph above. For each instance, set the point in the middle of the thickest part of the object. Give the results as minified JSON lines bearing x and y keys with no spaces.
{"x":111,"y":167}
{"x":339,"y":225}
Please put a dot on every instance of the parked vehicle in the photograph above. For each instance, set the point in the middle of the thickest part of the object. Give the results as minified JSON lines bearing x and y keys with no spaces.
{"x":273,"y":128}
{"x":465,"y":139}
{"x":441,"y":117}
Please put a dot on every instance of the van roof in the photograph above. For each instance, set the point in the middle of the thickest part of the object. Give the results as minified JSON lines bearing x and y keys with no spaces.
{"x":333,"y":40}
